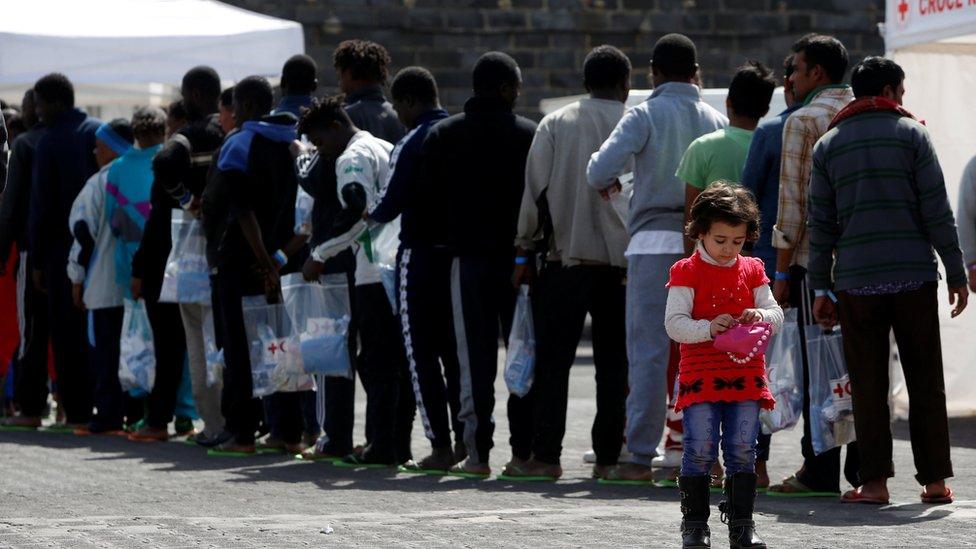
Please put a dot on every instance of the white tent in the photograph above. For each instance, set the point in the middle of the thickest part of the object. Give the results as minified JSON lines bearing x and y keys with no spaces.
{"x":935,"y":42}
{"x":129,"y":52}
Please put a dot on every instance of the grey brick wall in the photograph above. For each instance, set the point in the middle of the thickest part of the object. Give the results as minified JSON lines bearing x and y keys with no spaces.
{"x":549,"y":38}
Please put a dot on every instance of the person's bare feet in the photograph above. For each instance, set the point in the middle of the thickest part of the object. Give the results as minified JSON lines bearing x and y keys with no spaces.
{"x":873,"y":491}
{"x":937,"y":492}
{"x":632,"y":472}
{"x":762,"y":475}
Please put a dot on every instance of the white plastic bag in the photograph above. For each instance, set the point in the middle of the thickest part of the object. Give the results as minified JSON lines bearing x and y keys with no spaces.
{"x":186,"y":278}
{"x":304,"y":203}
{"x":319,"y":314}
{"x":784,"y":369}
{"x":520,"y":357}
{"x":385,"y":241}
{"x":214,"y":355}
{"x":276,"y":360}
{"x":831,"y":412}
{"x":137,"y":357}
{"x":621,"y":199}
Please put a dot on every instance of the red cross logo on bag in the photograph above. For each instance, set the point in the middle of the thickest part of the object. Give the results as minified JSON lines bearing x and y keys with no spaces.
{"x":274,"y":347}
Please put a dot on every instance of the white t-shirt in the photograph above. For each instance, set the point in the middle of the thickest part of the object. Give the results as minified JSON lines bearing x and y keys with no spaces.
{"x":365,"y":161}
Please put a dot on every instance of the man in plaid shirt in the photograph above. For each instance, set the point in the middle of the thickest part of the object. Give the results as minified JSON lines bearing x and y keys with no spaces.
{"x":820,"y":64}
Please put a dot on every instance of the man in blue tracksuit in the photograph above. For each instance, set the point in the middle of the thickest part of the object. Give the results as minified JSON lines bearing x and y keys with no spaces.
{"x":63,"y":162}
{"x":248,"y":216}
{"x":423,"y":275}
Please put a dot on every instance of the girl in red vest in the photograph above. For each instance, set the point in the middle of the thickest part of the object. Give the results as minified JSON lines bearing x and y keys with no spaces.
{"x":709,"y":293}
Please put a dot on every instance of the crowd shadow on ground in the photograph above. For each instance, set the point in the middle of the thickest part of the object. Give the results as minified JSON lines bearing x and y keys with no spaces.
{"x":181,"y":457}
{"x":962,"y":431}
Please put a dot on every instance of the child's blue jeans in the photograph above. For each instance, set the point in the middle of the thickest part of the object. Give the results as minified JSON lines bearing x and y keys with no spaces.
{"x":735,"y":424}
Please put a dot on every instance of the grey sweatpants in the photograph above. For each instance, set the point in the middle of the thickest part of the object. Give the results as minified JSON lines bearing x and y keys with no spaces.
{"x":207,"y":399}
{"x":648,"y":351}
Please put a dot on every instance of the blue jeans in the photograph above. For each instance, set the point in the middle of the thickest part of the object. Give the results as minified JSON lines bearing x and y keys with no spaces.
{"x":739,"y":423}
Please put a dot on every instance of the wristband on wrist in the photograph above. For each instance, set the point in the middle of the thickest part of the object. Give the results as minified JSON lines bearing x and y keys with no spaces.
{"x":781,"y":276}
{"x":185,"y":200}
{"x":280,"y":258}
{"x":521,"y":260}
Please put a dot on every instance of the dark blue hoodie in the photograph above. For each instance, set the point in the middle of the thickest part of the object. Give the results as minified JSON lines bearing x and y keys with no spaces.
{"x":255,"y":173}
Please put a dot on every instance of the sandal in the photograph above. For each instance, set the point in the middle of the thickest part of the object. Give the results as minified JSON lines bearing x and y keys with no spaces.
{"x":945,"y":497}
{"x":792,"y":488}
{"x":855,"y":496}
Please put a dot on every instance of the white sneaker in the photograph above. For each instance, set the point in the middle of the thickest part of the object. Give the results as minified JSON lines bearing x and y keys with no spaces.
{"x":670,"y":459}
{"x":625,"y":457}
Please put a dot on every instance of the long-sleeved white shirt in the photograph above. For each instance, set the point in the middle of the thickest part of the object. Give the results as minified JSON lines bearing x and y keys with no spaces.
{"x":682,"y":328}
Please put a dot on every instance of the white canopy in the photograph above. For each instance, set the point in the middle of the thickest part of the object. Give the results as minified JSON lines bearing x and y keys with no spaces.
{"x":125,"y":51}
{"x":935,"y":42}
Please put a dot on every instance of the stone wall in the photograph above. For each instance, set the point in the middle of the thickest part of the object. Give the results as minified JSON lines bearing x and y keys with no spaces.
{"x":550,"y":38}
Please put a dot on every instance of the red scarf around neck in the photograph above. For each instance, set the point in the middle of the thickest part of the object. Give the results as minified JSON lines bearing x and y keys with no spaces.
{"x":870,"y":104}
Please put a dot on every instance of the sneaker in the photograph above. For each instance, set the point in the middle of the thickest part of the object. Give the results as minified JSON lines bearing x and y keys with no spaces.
{"x":149,"y":434}
{"x":671,"y":458}
{"x":184,"y":426}
{"x":215,"y":440}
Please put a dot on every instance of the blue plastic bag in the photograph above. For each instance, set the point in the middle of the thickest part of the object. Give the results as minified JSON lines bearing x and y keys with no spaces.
{"x":319,"y":314}
{"x":186,"y":277}
{"x":520,"y":358}
{"x":137,"y":357}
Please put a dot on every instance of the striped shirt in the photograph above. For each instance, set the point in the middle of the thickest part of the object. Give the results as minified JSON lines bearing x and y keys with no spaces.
{"x":802,"y":130}
{"x":878,"y":206}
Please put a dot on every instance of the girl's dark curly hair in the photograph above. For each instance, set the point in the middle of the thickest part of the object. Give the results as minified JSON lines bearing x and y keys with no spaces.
{"x":364,"y":59}
{"x":725,"y":202}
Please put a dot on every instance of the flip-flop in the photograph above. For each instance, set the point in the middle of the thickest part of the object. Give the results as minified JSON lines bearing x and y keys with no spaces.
{"x":853,"y":496}
{"x":801,"y":491}
{"x":625,"y":482}
{"x":466,"y":474}
{"x":18,"y":428}
{"x":540,"y":478}
{"x":418,"y":471}
{"x":946,"y":497}
{"x":213,"y":452}
{"x":352,"y":462}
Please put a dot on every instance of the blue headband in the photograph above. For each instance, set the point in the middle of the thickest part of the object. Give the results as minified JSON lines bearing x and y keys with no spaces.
{"x":111,"y":138}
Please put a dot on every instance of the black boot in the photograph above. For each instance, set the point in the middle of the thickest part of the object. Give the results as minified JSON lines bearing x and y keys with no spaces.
{"x":740,"y":493}
{"x":694,"y":512}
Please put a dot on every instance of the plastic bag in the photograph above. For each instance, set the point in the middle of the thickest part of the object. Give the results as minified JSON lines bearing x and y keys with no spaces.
{"x":304,"y":203}
{"x":186,"y":278}
{"x":319,"y":314}
{"x":385,"y":242}
{"x":137,"y":357}
{"x":784,"y":368}
{"x":520,"y":358}
{"x":831,"y":412}
{"x":621,"y":199}
{"x":213,"y":355}
{"x":276,"y":360}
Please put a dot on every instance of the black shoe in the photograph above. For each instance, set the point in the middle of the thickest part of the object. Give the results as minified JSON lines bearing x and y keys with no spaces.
{"x":695,"y":533}
{"x":740,"y":494}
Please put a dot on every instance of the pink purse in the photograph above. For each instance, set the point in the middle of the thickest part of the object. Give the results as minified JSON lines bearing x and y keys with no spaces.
{"x":743,"y":342}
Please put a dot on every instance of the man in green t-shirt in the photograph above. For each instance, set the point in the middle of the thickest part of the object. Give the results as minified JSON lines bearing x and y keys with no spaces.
{"x":721,"y":155}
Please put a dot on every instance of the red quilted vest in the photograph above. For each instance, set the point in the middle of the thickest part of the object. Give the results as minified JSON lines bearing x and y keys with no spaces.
{"x":705,"y":374}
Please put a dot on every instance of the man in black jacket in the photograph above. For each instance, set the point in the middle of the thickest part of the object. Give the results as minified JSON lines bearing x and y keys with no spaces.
{"x":63,"y":161}
{"x":475,"y":165}
{"x":248,"y":217}
{"x":30,"y":374}
{"x":180,"y":170}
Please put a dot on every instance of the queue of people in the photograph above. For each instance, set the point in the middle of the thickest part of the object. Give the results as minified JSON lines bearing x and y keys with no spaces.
{"x":835,"y":207}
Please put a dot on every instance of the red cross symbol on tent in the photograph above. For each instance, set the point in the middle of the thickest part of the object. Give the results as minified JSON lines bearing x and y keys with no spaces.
{"x":903,"y":10}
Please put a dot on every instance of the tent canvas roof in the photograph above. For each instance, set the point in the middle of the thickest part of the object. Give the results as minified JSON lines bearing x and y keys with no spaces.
{"x":139,"y":41}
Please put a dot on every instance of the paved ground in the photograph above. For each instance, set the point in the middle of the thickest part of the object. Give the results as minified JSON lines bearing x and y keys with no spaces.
{"x":64,"y":491}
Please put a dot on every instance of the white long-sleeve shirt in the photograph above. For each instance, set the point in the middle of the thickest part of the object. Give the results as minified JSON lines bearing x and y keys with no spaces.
{"x":680,"y":325}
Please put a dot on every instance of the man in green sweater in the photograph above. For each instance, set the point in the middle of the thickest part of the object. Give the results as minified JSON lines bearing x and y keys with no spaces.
{"x":878,"y":214}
